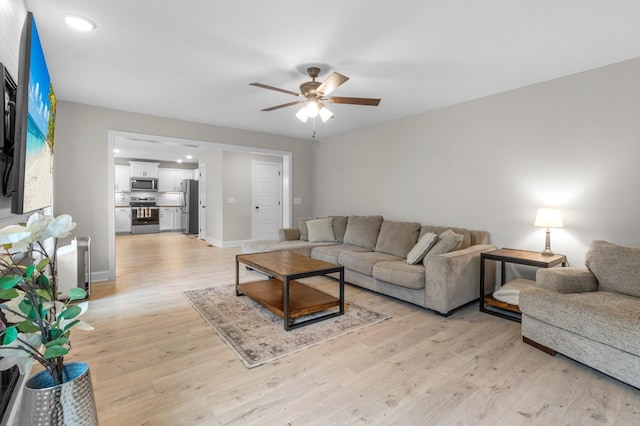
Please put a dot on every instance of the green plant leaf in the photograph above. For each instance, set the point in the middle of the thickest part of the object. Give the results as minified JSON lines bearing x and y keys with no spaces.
{"x":28,"y":273}
{"x":27,"y":309}
{"x":8,"y":294}
{"x":71,"y":312}
{"x":28,"y":327}
{"x":10,"y":335}
{"x":9,"y":281}
{"x":58,"y":342}
{"x":43,"y":282}
{"x":43,"y":264}
{"x":55,"y":351}
{"x":77,"y":293}
{"x":44,"y":294}
{"x":71,"y":324}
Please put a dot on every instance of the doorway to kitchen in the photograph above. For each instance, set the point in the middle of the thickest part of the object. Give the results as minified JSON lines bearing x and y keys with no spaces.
{"x":162,"y":141}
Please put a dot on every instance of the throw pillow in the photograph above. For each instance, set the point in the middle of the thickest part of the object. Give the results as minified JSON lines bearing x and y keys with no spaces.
{"x":362,"y":231}
{"x":321,"y":230}
{"x":421,"y":248}
{"x":302,"y":226}
{"x":446,"y":242}
{"x":510,"y":292}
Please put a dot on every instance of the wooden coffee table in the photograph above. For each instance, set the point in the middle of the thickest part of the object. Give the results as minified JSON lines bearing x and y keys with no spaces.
{"x":282,"y":294}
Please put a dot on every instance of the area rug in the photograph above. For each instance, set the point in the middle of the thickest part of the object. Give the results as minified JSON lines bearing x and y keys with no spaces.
{"x":257,"y":336}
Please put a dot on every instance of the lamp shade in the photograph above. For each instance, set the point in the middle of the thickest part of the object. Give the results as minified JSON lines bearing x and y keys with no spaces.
{"x":549,"y":218}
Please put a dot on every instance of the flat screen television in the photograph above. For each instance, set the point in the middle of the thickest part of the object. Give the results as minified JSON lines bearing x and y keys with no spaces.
{"x":35,"y":126}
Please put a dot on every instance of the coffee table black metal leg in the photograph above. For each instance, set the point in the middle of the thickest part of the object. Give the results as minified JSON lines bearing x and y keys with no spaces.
{"x":285,"y":302}
{"x":237,"y":277}
{"x":341,"y":291}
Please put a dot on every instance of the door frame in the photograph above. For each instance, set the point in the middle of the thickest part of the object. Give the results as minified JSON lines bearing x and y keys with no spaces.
{"x":287,"y":180}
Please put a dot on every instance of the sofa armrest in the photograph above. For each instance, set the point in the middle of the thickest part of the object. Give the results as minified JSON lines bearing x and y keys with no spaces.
{"x":567,"y":280}
{"x":289,"y":234}
{"x":453,"y":279}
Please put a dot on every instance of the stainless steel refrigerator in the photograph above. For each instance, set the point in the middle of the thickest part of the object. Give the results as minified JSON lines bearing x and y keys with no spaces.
{"x":190,"y":209}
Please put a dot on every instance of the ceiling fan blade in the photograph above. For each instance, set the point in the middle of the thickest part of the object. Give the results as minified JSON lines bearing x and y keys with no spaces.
{"x":331,"y":83}
{"x":264,"y":86}
{"x":353,"y":101}
{"x":282,"y":106}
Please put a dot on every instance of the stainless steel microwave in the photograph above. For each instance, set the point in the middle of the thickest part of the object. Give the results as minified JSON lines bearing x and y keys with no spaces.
{"x":144,"y":184}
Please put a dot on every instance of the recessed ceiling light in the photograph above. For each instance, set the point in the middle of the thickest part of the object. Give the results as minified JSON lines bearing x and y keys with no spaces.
{"x":179,"y":160}
{"x":116,"y":150}
{"x":79,"y":23}
{"x":189,"y":157}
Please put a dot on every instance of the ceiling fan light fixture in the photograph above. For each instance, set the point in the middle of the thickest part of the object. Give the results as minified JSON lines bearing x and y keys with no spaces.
{"x":312,"y":109}
{"x":324,"y":113}
{"x":302,"y":114}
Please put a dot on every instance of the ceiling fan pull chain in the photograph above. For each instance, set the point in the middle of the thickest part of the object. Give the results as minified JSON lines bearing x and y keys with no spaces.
{"x":314,"y":128}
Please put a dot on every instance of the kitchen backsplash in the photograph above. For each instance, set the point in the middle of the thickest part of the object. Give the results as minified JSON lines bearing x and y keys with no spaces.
{"x":162,"y":198}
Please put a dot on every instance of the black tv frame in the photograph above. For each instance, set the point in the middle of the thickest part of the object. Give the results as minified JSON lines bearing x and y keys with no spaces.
{"x":22,"y":105}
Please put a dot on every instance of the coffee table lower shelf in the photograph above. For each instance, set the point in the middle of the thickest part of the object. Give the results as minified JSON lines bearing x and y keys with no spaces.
{"x":303,"y":300}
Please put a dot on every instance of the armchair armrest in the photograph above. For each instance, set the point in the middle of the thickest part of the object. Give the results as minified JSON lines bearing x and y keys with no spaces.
{"x":453,"y":279}
{"x":567,"y":280}
{"x":289,"y":234}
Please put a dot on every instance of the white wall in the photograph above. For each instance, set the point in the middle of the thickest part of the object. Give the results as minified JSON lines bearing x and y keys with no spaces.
{"x":571,"y":143}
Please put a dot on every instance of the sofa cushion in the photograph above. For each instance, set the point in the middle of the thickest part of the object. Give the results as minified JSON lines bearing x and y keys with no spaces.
{"x":301,"y":247}
{"x":362,"y":231}
{"x":330,"y":253}
{"x":400,"y":273}
{"x":340,"y":227}
{"x":602,"y":316}
{"x":397,"y":238}
{"x":364,"y":262}
{"x":446,"y":242}
{"x":416,"y":254}
{"x":302,"y":225}
{"x":321,"y":230}
{"x":615,"y":267}
{"x":466,"y":241}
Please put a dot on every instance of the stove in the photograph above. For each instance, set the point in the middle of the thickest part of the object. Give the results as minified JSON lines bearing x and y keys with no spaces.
{"x":145,"y":215}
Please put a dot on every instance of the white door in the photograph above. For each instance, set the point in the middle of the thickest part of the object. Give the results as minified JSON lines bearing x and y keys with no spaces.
{"x":202,"y":202}
{"x":267,"y":196}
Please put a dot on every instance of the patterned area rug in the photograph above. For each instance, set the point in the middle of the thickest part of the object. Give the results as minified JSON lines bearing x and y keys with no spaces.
{"x":257,"y":336}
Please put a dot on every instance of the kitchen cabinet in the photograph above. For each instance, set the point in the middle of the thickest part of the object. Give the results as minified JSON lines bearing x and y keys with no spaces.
{"x":170,"y":180}
{"x":123,"y":220}
{"x":122,"y":178}
{"x":143,"y":169}
{"x":177,"y":219}
{"x":167,"y":218}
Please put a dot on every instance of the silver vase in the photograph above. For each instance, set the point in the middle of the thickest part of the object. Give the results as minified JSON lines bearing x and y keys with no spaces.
{"x":70,"y":403}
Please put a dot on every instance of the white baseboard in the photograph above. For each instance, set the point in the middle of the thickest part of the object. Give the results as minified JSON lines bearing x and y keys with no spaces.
{"x":225,"y":244}
{"x":99,"y":276}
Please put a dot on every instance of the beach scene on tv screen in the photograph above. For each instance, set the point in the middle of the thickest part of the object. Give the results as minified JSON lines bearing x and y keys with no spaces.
{"x":38,"y":181}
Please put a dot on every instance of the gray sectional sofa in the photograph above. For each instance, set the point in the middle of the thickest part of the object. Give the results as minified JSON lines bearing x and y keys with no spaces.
{"x":374,"y":253}
{"x":590,"y":314}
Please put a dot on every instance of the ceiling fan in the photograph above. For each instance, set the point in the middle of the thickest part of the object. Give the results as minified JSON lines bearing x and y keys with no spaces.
{"x":315,"y":93}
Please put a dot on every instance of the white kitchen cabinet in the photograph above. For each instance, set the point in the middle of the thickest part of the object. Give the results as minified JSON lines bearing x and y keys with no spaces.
{"x":143,"y":169}
{"x":167,"y":218}
{"x":123,"y":220}
{"x":170,"y":180}
{"x":177,"y":219}
{"x":122,"y":179}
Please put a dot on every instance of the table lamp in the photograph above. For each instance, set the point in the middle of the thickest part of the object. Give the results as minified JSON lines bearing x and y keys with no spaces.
{"x":548,"y":218}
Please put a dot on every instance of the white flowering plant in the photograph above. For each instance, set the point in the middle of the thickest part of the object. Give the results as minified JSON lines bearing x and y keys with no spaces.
{"x":34,"y":324}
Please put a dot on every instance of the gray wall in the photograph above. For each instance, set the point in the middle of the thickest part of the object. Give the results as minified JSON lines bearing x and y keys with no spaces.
{"x":80,"y":164}
{"x":237,"y":183}
{"x":571,"y":143}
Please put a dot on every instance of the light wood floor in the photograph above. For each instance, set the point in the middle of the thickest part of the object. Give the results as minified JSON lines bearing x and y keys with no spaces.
{"x":154,"y":361}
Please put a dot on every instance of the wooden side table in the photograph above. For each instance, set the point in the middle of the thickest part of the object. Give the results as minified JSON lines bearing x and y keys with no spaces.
{"x":488,"y":303}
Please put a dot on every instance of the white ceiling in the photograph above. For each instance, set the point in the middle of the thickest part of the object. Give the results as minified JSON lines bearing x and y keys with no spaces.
{"x":194,"y":59}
